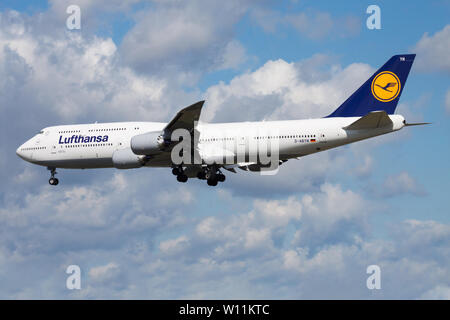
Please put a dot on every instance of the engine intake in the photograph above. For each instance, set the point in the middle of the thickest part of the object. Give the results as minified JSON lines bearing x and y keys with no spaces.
{"x":147,"y":143}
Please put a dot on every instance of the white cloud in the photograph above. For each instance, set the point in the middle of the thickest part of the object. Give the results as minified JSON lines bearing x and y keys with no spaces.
{"x":330,"y":216}
{"x":233,"y":56}
{"x":62,"y":218}
{"x":252,"y":254}
{"x":188,"y":36}
{"x":257,"y":238}
{"x":291,"y":259}
{"x":28,"y":175}
{"x":279,"y":214}
{"x":268,"y":20}
{"x":104,"y":273}
{"x":56,"y":69}
{"x":255,"y":232}
{"x":184,"y":196}
{"x":303,"y":175}
{"x":109,"y":277}
{"x":432,"y":51}
{"x":332,"y":257}
{"x":310,"y":23}
{"x":207,"y":228}
{"x":365,"y":168}
{"x":173,"y":246}
{"x":245,"y":253}
{"x":316,"y":25}
{"x":281,"y":90}
{"x":402,"y":183}
{"x":417,"y":235}
{"x":440,"y":292}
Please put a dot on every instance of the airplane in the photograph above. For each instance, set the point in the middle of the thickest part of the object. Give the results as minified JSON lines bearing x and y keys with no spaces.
{"x":367,"y":113}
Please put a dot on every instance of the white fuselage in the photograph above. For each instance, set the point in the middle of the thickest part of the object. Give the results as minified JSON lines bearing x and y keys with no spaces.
{"x":92,"y":145}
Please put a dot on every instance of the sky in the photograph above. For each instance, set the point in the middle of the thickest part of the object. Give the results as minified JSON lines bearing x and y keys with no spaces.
{"x":308,"y":232}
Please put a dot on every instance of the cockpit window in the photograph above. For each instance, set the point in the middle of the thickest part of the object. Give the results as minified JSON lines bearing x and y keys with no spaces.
{"x":41,"y":132}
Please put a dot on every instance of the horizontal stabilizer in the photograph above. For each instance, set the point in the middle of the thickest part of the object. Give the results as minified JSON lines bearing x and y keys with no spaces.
{"x":372,"y":120}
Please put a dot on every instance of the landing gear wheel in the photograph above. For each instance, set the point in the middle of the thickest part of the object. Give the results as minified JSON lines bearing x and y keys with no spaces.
{"x":53,"y":181}
{"x":182,"y":178}
{"x":210,"y":175}
{"x":221,"y":177}
{"x":212,"y":182}
{"x":176,"y":171}
{"x":201,"y":175}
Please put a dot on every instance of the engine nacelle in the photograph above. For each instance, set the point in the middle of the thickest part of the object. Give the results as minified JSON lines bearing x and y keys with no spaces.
{"x":126,"y":159}
{"x":147,"y":143}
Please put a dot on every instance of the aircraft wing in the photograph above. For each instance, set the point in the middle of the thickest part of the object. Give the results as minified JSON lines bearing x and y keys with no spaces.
{"x":185,"y":118}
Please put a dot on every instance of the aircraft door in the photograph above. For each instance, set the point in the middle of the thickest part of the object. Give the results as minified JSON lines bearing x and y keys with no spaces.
{"x":322,"y":137}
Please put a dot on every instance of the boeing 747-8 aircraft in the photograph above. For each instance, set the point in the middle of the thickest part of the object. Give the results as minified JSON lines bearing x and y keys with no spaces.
{"x":367,"y":113}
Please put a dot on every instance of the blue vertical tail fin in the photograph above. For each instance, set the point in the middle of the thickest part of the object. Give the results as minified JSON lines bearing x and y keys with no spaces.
{"x":381,"y":92}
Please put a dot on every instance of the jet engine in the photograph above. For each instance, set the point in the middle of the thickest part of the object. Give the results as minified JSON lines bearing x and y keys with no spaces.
{"x":126,"y":159}
{"x":147,"y":143}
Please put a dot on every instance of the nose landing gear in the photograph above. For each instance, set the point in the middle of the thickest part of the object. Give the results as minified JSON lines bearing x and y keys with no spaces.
{"x":52,"y":181}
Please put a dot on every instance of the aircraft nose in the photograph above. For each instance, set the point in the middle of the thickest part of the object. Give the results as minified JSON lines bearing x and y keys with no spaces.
{"x":19,"y":152}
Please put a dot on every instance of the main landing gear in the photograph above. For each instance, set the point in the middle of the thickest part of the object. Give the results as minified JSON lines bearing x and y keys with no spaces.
{"x":53,"y":181}
{"x":211,"y":175}
{"x":181,"y":176}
